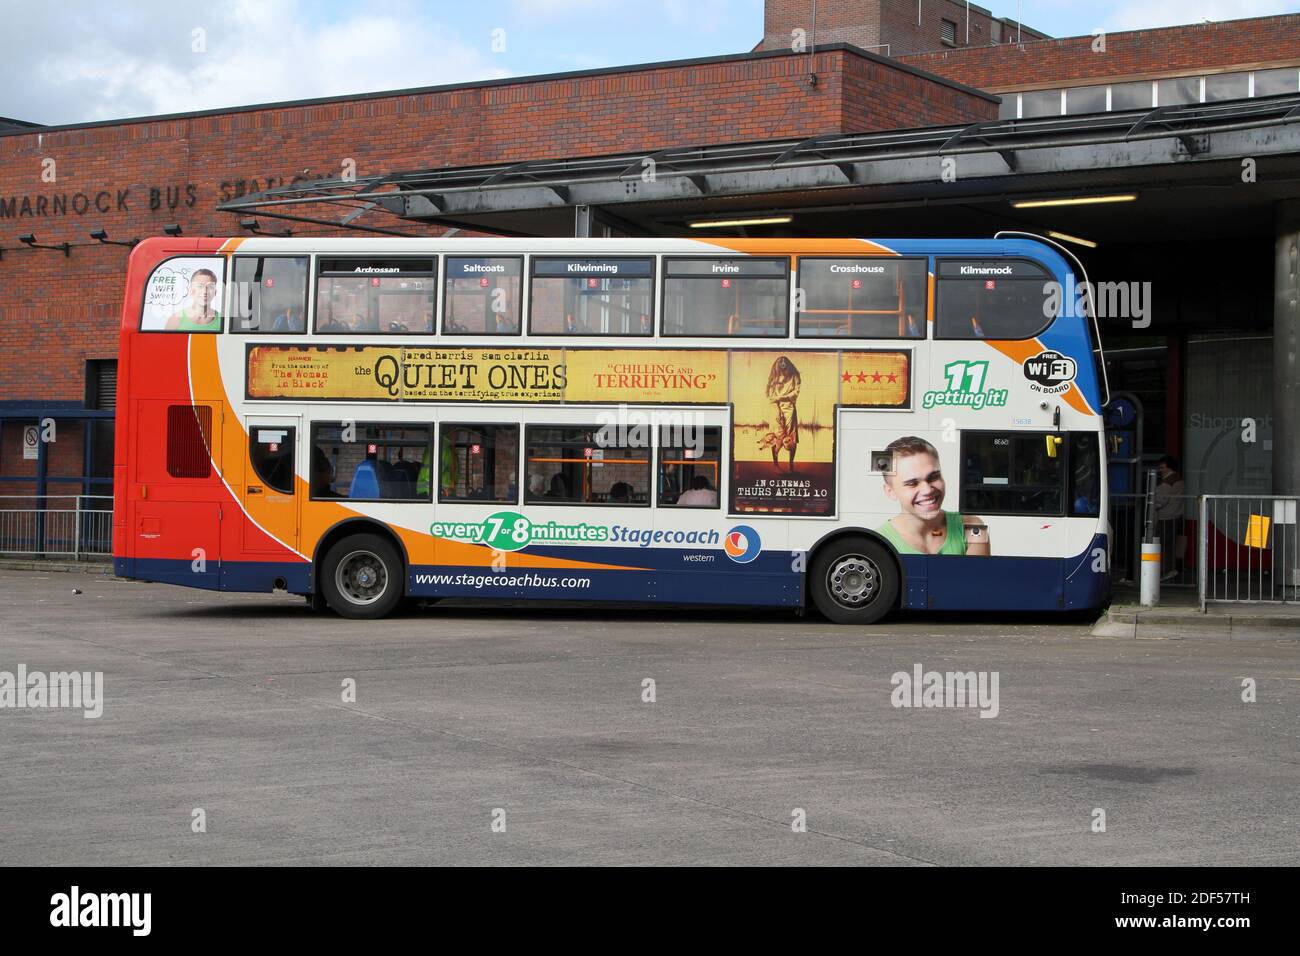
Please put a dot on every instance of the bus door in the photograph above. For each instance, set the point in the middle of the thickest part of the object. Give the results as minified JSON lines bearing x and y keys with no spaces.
{"x":271,"y":487}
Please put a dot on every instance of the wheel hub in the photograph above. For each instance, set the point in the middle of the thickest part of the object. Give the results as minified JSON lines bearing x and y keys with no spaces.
{"x":853,"y":581}
{"x":361,"y":577}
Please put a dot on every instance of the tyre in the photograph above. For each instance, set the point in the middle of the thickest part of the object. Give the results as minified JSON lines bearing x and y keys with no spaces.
{"x":363,"y":577}
{"x":854,"y":580}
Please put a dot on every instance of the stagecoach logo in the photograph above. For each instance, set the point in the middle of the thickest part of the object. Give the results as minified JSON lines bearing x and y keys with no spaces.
{"x":742,"y":544}
{"x":1050,"y":372}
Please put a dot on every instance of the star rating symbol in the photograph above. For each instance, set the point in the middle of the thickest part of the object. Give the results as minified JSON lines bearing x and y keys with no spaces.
{"x":893,"y":376}
{"x":862,"y":376}
{"x":846,"y":377}
{"x":876,"y":377}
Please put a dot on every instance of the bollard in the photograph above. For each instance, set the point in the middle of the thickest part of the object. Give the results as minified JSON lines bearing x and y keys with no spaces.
{"x":1149,"y":581}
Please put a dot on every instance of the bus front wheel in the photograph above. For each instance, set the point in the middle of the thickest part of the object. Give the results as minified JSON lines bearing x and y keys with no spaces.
{"x":362,"y":577}
{"x":854,"y":581}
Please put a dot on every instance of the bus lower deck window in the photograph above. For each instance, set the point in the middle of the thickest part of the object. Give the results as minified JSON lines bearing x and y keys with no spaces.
{"x":478,"y":463}
{"x":371,"y":462}
{"x":579,"y":465}
{"x":690,"y":466}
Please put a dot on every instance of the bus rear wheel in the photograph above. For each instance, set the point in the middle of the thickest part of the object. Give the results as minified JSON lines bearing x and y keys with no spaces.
{"x":362,"y":577}
{"x":854,"y":581}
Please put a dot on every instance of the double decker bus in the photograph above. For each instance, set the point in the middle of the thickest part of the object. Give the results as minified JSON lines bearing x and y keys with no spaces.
{"x":856,"y":425}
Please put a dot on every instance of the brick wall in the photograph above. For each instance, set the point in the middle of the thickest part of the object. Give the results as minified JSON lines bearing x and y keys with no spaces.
{"x":871,"y":24}
{"x":1202,"y":47}
{"x":131,"y":178}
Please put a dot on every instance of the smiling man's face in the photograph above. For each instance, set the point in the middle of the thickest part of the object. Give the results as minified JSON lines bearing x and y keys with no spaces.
{"x":917,"y":485}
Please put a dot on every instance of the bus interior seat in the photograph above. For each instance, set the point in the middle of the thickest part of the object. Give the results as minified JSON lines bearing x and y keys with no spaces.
{"x":365,"y":482}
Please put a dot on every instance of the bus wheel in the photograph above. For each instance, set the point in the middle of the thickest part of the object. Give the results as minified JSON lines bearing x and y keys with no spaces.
{"x":854,"y":581}
{"x":362,"y":577}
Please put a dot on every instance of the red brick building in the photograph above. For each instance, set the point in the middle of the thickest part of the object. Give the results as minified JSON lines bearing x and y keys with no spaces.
{"x":131,"y":178}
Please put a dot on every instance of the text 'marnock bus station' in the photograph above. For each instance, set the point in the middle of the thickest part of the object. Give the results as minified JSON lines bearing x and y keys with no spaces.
{"x":1174,"y":154}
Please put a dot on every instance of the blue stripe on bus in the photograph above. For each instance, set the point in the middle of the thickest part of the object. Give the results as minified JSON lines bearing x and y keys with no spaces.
{"x":932,"y":582}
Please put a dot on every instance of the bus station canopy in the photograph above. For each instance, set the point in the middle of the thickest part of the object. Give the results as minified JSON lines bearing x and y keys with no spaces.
{"x":1238,"y":157}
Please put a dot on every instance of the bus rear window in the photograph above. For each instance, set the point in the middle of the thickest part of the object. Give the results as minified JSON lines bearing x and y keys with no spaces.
{"x":591,"y":297}
{"x":376,"y":296}
{"x":482,"y":296}
{"x":992,"y":299}
{"x":739,"y":297}
{"x":876,"y":298}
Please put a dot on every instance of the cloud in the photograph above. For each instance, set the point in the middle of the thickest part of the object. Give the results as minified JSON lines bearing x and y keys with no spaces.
{"x":144,"y":58}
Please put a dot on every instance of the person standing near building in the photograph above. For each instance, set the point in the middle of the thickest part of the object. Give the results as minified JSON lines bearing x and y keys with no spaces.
{"x":1170,"y":519}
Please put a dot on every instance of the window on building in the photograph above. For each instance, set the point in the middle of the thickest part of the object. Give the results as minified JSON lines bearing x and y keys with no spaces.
{"x":1040,"y":103}
{"x":591,"y":297}
{"x":741,"y":297}
{"x":271,"y":451}
{"x":1179,"y":90}
{"x":876,"y":298}
{"x":1130,"y":96}
{"x":270,"y":294}
{"x":1085,"y":99}
{"x":483,"y":296}
{"x":1010,"y":473}
{"x":101,"y":384}
{"x":1227,"y":86}
{"x":376,"y":296}
{"x":1277,"y":82}
{"x":189,"y":435}
{"x":948,"y":32}
{"x":580,"y":465}
{"x":1009,"y":108}
{"x":991,"y":299}
{"x":690,"y":467}
{"x":371,"y":462}
{"x":478,"y":463}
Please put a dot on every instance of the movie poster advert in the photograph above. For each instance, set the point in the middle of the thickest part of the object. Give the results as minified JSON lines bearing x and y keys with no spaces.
{"x":671,"y":377}
{"x":875,"y":380}
{"x":783,"y":432}
{"x":184,"y":295}
{"x":395,"y":374}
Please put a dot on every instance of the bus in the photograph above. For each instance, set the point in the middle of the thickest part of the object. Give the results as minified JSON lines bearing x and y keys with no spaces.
{"x":857,"y":425}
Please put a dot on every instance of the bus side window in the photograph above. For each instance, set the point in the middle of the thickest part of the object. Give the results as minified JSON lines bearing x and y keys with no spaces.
{"x":740,"y":297}
{"x":1085,"y":475}
{"x":991,"y":299}
{"x":477,"y":463}
{"x":270,"y":295}
{"x":689,"y":467}
{"x":570,"y":464}
{"x":371,"y":462}
{"x":1010,"y":473}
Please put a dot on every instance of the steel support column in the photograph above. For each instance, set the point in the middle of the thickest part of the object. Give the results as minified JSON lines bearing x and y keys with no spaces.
{"x":1286,"y":349}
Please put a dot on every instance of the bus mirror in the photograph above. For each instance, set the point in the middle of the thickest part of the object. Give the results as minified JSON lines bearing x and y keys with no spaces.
{"x":1053,"y":445}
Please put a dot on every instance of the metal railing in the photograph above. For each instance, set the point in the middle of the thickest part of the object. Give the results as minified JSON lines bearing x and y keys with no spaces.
{"x":64,"y":526}
{"x":1249,"y":549}
{"x":1175,"y":524}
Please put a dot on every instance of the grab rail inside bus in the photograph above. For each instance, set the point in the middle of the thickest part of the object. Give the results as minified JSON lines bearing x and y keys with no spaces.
{"x":1098,"y":354}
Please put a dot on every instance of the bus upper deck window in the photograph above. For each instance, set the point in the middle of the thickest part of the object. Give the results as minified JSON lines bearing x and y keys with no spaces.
{"x":992,"y":299}
{"x":270,"y":295}
{"x":482,"y":295}
{"x":376,"y":296}
{"x":866,"y":298}
{"x":735,"y":297}
{"x":609,"y":296}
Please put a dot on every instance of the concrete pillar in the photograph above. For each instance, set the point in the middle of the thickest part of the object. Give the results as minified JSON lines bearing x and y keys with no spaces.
{"x":1286,"y":349}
